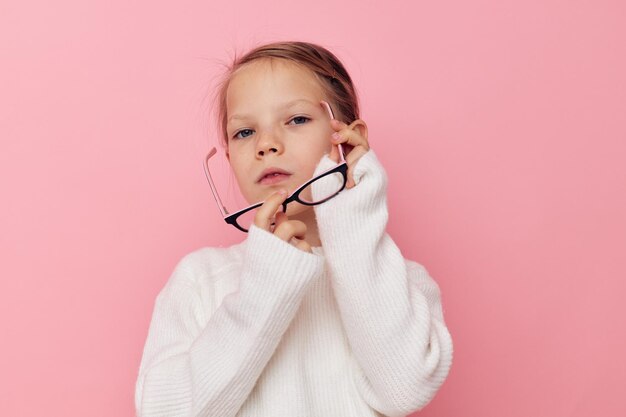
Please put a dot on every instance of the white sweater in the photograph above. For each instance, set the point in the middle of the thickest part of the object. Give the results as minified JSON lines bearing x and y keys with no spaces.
{"x":265,"y":329}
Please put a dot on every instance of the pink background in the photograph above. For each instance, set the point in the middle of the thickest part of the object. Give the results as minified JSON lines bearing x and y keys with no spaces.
{"x":501,"y":125}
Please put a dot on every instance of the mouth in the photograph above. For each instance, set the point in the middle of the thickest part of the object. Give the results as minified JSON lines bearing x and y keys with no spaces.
{"x":273,"y":175}
{"x":273,"y":178}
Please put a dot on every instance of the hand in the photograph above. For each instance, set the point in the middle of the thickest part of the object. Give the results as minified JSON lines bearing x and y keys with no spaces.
{"x":353,"y":138}
{"x":291,"y":231}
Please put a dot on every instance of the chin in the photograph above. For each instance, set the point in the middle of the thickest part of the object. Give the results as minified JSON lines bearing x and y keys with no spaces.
{"x":294,"y":209}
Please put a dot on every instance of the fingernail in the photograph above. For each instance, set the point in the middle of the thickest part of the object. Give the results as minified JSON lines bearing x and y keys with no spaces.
{"x":336,"y":137}
{"x":282,"y":192}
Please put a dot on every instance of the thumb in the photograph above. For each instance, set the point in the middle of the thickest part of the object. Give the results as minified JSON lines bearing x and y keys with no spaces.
{"x":337,"y":125}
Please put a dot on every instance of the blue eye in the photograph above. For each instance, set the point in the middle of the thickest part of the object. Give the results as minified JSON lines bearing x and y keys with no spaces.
{"x":244,"y":133}
{"x":298,"y":120}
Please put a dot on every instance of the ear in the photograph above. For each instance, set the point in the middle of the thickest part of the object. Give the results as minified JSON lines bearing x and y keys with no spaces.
{"x":360,"y":126}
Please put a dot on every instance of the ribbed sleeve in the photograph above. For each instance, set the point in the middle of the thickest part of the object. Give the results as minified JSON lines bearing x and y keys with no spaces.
{"x":192,"y":366}
{"x":391,"y":308}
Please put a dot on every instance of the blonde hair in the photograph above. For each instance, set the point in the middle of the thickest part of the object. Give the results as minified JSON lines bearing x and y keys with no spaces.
{"x":330,"y":72}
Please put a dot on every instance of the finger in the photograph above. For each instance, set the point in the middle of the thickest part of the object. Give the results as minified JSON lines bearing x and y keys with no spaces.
{"x":278,"y":219}
{"x":350,"y":137}
{"x":301,"y":244}
{"x":354,"y":156}
{"x":352,"y":159}
{"x":290,"y":228}
{"x":358,"y":125}
{"x":265,"y":213}
{"x":337,"y":125}
{"x":304,"y":245}
{"x":334,"y":150}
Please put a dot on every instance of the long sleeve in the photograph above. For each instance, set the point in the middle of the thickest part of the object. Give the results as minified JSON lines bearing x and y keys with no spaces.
{"x":193,"y":365}
{"x":391,"y":308}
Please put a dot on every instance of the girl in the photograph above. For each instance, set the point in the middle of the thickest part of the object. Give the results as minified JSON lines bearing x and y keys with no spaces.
{"x":316,"y":312}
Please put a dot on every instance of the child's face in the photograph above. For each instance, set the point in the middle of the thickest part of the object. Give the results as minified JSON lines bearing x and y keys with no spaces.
{"x":275,"y":120}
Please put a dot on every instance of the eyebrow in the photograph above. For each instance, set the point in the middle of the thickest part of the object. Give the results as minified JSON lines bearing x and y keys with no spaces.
{"x":284,"y":106}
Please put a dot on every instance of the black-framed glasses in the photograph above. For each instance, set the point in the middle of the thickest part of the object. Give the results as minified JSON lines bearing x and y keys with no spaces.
{"x":331,"y":182}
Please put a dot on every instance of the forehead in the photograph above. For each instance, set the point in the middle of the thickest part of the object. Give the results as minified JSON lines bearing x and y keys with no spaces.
{"x":271,"y":82}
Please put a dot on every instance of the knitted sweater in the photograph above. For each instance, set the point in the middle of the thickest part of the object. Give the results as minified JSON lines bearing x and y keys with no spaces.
{"x":262,"y":328}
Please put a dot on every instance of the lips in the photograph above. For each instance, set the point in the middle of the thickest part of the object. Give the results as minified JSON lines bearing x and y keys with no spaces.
{"x":273,"y":174}
{"x":273,"y":179}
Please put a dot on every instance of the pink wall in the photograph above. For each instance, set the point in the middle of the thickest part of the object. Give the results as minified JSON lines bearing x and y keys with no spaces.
{"x":501,"y":125}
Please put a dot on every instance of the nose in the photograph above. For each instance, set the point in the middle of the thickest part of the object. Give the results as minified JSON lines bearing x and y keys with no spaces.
{"x":268,"y":143}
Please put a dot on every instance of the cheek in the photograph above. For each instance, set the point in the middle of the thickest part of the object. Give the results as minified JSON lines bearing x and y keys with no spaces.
{"x":323,"y":143}
{"x":326,"y":145}
{"x":315,"y":155}
{"x":238,"y":169}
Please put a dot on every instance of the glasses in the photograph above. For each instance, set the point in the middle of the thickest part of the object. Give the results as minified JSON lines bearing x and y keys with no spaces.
{"x":332,"y":182}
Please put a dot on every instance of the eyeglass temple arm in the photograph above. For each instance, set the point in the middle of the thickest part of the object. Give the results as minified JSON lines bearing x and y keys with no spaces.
{"x":212,"y":152}
{"x":332,"y":116}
